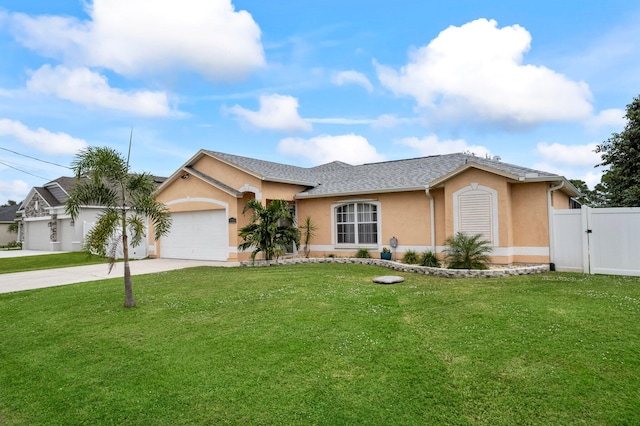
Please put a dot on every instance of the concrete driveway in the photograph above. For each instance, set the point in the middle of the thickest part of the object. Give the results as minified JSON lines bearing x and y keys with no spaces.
{"x":77,"y":274}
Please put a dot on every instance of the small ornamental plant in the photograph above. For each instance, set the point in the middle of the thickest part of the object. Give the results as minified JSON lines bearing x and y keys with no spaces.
{"x":429,"y":259}
{"x":363,"y":253}
{"x":410,"y":257}
{"x":467,"y":251}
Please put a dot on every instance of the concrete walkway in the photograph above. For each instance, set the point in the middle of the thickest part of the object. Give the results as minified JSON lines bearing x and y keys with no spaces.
{"x":77,"y":274}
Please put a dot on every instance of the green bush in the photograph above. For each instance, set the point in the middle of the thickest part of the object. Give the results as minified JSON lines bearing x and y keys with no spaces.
{"x":430,"y":259}
{"x":410,"y":257}
{"x":467,"y":251}
{"x":363,"y":253}
{"x":14,"y":244}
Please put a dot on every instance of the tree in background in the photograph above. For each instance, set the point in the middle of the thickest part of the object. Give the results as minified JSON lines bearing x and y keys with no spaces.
{"x":596,"y":197}
{"x":621,"y":153}
{"x":128,"y":200}
{"x":272,"y":228}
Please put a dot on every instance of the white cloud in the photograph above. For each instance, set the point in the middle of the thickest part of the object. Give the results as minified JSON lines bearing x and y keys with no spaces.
{"x":476,"y":72}
{"x":85,"y":87}
{"x":352,"y":77}
{"x":608,"y":118}
{"x":569,"y":155}
{"x":390,"y":120}
{"x":592,"y":178}
{"x":277,"y":112}
{"x":149,"y":36}
{"x":41,"y":139}
{"x":341,"y":120}
{"x":431,"y":145}
{"x":352,"y":149}
{"x":589,"y":175}
{"x":15,"y":190}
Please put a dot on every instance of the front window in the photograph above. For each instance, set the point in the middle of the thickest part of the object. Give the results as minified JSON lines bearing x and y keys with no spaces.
{"x":357,"y":223}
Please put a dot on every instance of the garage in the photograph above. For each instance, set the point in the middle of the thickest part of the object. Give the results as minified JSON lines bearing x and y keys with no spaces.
{"x":37,"y":235}
{"x":199,"y":235}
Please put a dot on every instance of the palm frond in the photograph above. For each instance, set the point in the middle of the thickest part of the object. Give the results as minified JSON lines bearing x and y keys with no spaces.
{"x":136,"y":224}
{"x":100,"y":163}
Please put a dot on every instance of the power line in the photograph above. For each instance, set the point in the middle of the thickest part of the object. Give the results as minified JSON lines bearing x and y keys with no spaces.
{"x":34,"y":158}
{"x":23,"y":171}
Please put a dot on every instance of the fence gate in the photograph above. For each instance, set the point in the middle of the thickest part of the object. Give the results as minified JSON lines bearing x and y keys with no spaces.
{"x":597,"y":241}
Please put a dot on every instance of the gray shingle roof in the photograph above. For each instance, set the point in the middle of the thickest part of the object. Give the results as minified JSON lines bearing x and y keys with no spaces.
{"x":340,"y":178}
{"x":8,"y":213}
{"x":268,"y":170}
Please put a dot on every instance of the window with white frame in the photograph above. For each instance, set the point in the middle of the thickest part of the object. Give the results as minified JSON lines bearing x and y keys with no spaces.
{"x":356,"y":223}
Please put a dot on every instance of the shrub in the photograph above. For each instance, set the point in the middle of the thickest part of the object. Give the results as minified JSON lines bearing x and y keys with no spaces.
{"x":363,"y":253}
{"x":410,"y":257}
{"x":430,"y":259}
{"x":467,"y":251}
{"x":14,"y":244}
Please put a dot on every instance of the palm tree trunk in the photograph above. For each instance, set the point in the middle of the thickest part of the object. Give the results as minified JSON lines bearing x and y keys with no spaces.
{"x":129,"y":301}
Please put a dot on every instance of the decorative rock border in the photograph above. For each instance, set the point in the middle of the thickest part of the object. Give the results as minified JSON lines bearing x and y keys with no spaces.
{"x":401,"y":267}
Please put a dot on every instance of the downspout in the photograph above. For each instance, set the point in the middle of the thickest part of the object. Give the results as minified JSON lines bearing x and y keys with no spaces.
{"x":432,"y":218}
{"x":550,"y":220}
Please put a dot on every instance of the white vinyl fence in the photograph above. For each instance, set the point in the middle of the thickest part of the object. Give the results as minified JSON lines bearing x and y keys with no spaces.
{"x":597,"y":240}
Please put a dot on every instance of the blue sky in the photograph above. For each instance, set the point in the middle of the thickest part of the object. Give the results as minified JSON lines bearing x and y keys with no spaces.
{"x":536,"y":83}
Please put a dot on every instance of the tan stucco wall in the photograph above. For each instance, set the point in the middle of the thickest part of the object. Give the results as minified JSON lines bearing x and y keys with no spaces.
{"x":498,"y":183}
{"x":530,"y":215}
{"x":404,"y":215}
{"x":280,"y":191}
{"x":560,"y":200}
{"x":229,"y":175}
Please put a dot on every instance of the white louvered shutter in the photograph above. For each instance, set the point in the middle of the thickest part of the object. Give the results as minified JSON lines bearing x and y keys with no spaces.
{"x":475,"y":215}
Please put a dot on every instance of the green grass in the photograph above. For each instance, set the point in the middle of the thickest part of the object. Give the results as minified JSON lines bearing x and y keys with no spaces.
{"x":47,"y":261}
{"x":323,"y":345}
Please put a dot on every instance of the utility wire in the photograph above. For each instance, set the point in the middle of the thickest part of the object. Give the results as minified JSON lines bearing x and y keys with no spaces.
{"x":23,"y":171}
{"x":34,"y":158}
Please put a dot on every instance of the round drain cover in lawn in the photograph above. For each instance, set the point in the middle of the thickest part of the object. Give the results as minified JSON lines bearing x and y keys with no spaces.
{"x":388,"y":279}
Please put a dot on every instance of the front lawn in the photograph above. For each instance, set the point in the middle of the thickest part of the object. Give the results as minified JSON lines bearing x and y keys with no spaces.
{"x":322,"y":344}
{"x":48,"y":261}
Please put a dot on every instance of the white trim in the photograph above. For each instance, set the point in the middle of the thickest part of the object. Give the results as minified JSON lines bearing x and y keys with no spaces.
{"x":497,"y":251}
{"x":199,"y":200}
{"x":249,"y":188}
{"x":37,"y":218}
{"x":495,"y":230}
{"x":432,"y":217}
{"x":512,"y":251}
{"x":350,"y":246}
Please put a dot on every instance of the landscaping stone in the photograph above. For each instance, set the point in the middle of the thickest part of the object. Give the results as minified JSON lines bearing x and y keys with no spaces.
{"x":401,"y":267}
{"x":388,"y":279}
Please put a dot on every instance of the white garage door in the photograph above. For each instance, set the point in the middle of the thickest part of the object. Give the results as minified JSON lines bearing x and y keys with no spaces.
{"x":198,"y":235}
{"x":37,"y":235}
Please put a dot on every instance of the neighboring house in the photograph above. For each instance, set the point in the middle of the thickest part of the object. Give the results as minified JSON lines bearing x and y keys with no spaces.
{"x":418,"y":201}
{"x":44,"y":225}
{"x":7,"y":218}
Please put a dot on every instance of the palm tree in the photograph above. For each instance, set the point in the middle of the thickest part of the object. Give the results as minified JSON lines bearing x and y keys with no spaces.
{"x":308,"y":232}
{"x":128,"y":201}
{"x":467,"y":251}
{"x":271,"y":228}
